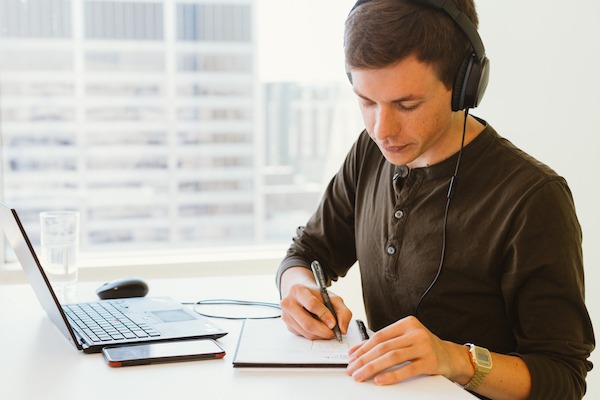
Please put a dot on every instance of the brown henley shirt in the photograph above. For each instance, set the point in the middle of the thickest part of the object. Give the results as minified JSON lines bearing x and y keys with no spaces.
{"x":512,"y":277}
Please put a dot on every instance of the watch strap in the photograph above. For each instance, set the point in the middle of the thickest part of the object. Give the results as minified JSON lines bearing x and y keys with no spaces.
{"x":480,"y":371}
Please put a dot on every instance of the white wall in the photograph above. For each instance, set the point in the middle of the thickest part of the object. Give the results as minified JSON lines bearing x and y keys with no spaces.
{"x":544,"y":96}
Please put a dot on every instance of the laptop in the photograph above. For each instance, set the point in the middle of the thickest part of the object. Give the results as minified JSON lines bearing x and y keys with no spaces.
{"x":130,"y":321}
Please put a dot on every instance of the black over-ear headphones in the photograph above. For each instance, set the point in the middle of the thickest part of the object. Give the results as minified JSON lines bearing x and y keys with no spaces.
{"x":472,"y":77}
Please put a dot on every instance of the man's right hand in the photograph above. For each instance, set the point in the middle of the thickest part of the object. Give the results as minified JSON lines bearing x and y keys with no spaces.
{"x":302,"y":307}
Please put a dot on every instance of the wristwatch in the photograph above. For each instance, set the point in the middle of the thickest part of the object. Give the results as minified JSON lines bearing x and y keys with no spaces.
{"x":482,"y":362}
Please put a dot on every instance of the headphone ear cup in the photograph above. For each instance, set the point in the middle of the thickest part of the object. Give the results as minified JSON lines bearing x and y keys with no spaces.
{"x":470,"y":83}
{"x":459,"y":86}
{"x":476,"y":82}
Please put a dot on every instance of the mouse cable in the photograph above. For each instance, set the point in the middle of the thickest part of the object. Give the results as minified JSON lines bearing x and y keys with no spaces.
{"x":231,"y":302}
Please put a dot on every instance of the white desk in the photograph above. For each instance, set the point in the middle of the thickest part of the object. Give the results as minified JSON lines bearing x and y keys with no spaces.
{"x":37,"y":361}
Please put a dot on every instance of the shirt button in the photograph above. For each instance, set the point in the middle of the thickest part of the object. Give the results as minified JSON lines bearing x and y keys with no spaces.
{"x":403,"y":171}
{"x":391,"y":250}
{"x":399,"y":214}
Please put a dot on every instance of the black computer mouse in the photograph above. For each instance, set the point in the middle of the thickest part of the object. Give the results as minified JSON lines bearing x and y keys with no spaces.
{"x":122,"y":288}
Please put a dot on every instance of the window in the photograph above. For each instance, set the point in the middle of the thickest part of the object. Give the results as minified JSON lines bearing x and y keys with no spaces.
{"x":159,"y":121}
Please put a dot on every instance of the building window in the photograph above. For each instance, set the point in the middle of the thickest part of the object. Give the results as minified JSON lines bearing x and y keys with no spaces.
{"x":151,"y":119}
{"x":115,"y":20}
{"x":214,"y":22}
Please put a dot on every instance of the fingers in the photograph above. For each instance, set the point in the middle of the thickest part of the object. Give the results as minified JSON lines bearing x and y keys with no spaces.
{"x":296,"y":316}
{"x":305,"y":314}
{"x":393,"y":331}
{"x":396,"y":353}
{"x":343,"y":313}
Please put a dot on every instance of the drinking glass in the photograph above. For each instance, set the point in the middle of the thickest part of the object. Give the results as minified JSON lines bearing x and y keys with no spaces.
{"x":60,"y":248}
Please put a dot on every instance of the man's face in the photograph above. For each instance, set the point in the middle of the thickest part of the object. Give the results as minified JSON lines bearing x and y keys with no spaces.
{"x":407,"y":112}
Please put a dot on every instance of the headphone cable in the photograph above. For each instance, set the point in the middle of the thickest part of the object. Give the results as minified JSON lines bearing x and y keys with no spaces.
{"x":451,"y":186}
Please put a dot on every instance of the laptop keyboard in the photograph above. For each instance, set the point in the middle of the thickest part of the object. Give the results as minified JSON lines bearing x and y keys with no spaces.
{"x":103,"y":322}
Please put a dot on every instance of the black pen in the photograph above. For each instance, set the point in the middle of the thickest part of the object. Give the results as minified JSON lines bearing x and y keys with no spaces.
{"x":362,"y":329}
{"x":320,"y":278}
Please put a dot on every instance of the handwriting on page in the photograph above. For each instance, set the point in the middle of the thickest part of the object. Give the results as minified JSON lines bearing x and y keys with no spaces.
{"x":330,"y":349}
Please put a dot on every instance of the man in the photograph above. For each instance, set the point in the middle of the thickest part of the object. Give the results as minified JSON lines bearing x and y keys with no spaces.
{"x":460,"y":236}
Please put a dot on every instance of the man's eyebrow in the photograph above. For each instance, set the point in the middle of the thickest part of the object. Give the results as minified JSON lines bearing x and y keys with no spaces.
{"x":410,"y":97}
{"x":361,"y":95}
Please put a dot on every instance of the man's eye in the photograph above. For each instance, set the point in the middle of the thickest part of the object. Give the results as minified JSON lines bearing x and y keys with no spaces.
{"x":409,"y":106}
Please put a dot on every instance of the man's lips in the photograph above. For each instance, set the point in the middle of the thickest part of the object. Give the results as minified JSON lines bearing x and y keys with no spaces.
{"x":394,"y":149}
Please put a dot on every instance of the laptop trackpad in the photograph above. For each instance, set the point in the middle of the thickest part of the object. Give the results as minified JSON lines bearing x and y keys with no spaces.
{"x":172,"y":316}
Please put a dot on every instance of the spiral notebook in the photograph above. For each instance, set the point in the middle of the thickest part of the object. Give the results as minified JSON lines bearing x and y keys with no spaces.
{"x":268,"y":343}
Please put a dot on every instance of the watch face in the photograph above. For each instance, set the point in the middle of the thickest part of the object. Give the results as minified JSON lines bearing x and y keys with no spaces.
{"x":483,"y":357}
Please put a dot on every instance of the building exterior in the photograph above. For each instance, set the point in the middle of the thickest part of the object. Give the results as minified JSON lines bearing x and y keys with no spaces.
{"x":308,"y":129}
{"x":139,"y":113}
{"x":147,"y":116}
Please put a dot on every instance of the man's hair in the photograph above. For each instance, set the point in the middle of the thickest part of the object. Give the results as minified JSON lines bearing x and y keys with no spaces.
{"x":381,"y":33}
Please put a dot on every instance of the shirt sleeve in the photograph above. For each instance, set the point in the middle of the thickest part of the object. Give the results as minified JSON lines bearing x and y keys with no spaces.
{"x":543,"y":286}
{"x":329,"y":235}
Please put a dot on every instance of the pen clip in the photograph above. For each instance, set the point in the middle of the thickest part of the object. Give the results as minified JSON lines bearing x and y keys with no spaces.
{"x":318,"y":273}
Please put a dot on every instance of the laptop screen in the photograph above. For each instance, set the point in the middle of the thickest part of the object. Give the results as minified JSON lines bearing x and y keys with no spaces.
{"x":17,"y":237}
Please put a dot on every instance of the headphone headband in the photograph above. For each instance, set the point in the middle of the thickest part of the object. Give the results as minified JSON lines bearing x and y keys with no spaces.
{"x":462,"y":20}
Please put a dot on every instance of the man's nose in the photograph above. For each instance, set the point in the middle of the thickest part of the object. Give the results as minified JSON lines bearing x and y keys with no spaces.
{"x":386,"y":123}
